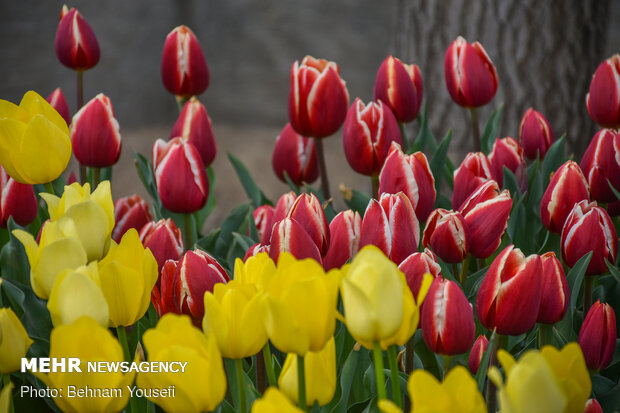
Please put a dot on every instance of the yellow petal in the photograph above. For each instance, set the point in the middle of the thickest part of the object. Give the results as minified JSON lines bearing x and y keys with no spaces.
{"x":282,"y":328}
{"x":15,"y":341}
{"x":427,"y":394}
{"x":274,"y":401}
{"x":123,"y":288}
{"x":463,"y":390}
{"x":361,"y":319}
{"x":388,"y":406}
{"x":215,"y":323}
{"x":5,"y":397}
{"x":92,"y":226}
{"x":30,"y":245}
{"x":11,"y":136}
{"x":102,"y":195}
{"x":33,"y":104}
{"x":60,"y":255}
{"x":427,"y":280}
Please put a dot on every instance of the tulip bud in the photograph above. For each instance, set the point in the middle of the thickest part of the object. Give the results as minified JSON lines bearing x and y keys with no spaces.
{"x":470,"y":75}
{"x":432,"y":396}
{"x":399,"y":86}
{"x":15,"y":341}
{"x":535,"y":134}
{"x":308,"y":212}
{"x":16,"y":200}
{"x":164,"y":240}
{"x":567,"y":187}
{"x":283,"y":206}
{"x":412,"y":175}
{"x":184,"y":69}
{"x":391,"y":225}
{"x":58,"y":102}
{"x":318,"y":98}
{"x":601,"y":165}
{"x":477,"y":353}
{"x":509,"y":295}
{"x":554,"y":293}
{"x":416,"y":265}
{"x":589,"y":228}
{"x":180,"y":174}
{"x":473,"y":171}
{"x":448,"y":235}
{"x":290,"y":236}
{"x":194,"y":125}
{"x":295,"y":155}
{"x":95,"y":134}
{"x":597,"y":336}
{"x":368,"y":132}
{"x":447,"y":319}
{"x":592,"y":406}
{"x":130,"y":212}
{"x":76,"y":44}
{"x":263,"y":220}
{"x":486,"y":213}
{"x":507,"y":152}
{"x":255,"y":249}
{"x":603,"y":99}
{"x":344,"y":232}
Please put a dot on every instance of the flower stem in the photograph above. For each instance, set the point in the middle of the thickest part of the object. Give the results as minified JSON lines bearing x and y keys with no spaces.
{"x":122,"y":338}
{"x":543,"y":334}
{"x":96,"y":177}
{"x":474,"y":124}
{"x":380,"y":378}
{"x":588,"y":281}
{"x":240,"y":385}
{"x":403,"y":135}
{"x":447,"y":360}
{"x":464,"y":268}
{"x":455,"y":271}
{"x":318,"y":143}
{"x":491,"y":390}
{"x":189,"y":231}
{"x":375,"y":186}
{"x":6,"y":382}
{"x":80,"y":103}
{"x":49,"y":188}
{"x":181,"y":102}
{"x":396,"y":395}
{"x":409,"y":355}
{"x":301,"y":383}
{"x":260,"y":373}
{"x":271,"y":375}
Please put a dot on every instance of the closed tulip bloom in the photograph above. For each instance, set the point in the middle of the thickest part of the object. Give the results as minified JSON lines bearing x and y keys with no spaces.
{"x":470,"y":74}
{"x":308,"y":211}
{"x":283,"y":206}
{"x":194,"y":125}
{"x":202,"y":386}
{"x":567,"y":187}
{"x":412,"y":175}
{"x":391,"y":225}
{"x":509,"y":295}
{"x":182,"y":182}
{"x":14,"y":342}
{"x":257,"y":270}
{"x":473,"y":172}
{"x":17,"y":201}
{"x":399,"y":86}
{"x":130,"y":212}
{"x":127,"y":273}
{"x":603,"y":99}
{"x":416,"y":265}
{"x":296,"y":155}
{"x":477,"y":353}
{"x":290,"y":236}
{"x":486,"y":212}
{"x":34,"y":140}
{"x":535,"y":134}
{"x":447,"y":319}
{"x":368,"y":133}
{"x":90,"y":342}
{"x":318,"y":98}
{"x":554,"y":293}
{"x":76,"y":43}
{"x":589,"y":228}
{"x":263,"y":220}
{"x":507,"y":152}
{"x":592,"y":406}
{"x":597,"y":336}
{"x":344,"y":243}
{"x":184,"y":69}
{"x":448,"y":235}
{"x":601,"y":165}
{"x":164,"y":240}
{"x":274,"y":401}
{"x":59,"y":102}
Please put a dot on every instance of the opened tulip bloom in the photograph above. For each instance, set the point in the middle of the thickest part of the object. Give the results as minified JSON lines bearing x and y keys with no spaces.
{"x":14,"y":342}
{"x":296,"y":155}
{"x":603,"y":99}
{"x":399,"y":86}
{"x":257,"y":270}
{"x":535,"y":134}
{"x":194,"y":125}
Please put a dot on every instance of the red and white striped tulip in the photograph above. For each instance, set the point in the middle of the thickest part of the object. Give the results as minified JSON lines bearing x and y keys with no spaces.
{"x":399,"y":86}
{"x":308,"y":212}
{"x":164,"y":239}
{"x":283,"y":206}
{"x":290,"y":236}
{"x":194,"y":125}
{"x":473,"y":172}
{"x":535,"y":134}
{"x":597,"y":336}
{"x":592,"y":406}
{"x":296,"y":155}
{"x":447,"y":234}
{"x":59,"y":102}
{"x":554,"y":293}
{"x":263,"y":220}
{"x":603,"y":99}
{"x":184,"y":69}
{"x":255,"y":249}
{"x":477,"y":353}
{"x":130,"y":212}
{"x":17,"y":200}
{"x":507,"y":152}
{"x":344,"y":233}
{"x":416,"y":265}
{"x":601,"y":165}
{"x":76,"y":44}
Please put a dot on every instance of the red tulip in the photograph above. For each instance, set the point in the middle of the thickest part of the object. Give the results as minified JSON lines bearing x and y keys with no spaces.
{"x":567,"y":187}
{"x":368,"y":132}
{"x":597,"y":336}
{"x":58,"y":102}
{"x":130,"y":212}
{"x":288,"y":235}
{"x":486,"y":213}
{"x":448,"y":235}
{"x":263,"y":220}
{"x":308,"y":212}
{"x":589,"y":228}
{"x":416,"y":265}
{"x":295,"y":155}
{"x":184,"y":69}
{"x":601,"y":165}
{"x":535,"y":134}
{"x":392,"y":226}
{"x":164,"y":240}
{"x":399,"y":86}
{"x":470,"y":75}
{"x":554,"y":293}
{"x":95,"y":133}
{"x":76,"y":43}
{"x":194,"y":125}
{"x":509,"y":295}
{"x":17,"y":200}
{"x":507,"y":152}
{"x":283,"y":206}
{"x":603,"y":100}
{"x":318,"y":98}
{"x":477,"y":353}
{"x":473,"y":171}
{"x":447,"y":319}
{"x":180,"y":174}
{"x":412,"y":175}
{"x":344,"y":232}
{"x":255,"y":249}
{"x":592,"y":406}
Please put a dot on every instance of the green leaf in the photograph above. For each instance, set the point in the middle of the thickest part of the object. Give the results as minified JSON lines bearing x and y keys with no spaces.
{"x":346,"y":381}
{"x":511,"y":184}
{"x":233,"y":223}
{"x":13,"y":260}
{"x":356,"y":200}
{"x":481,"y":374}
{"x":425,"y":136}
{"x":291,"y":184}
{"x":607,"y":392}
{"x":257,"y":196}
{"x":615,"y":272}
{"x":208,"y":243}
{"x":438,"y":161}
{"x":574,"y":278}
{"x":201,"y":215}
{"x":554,"y":158}
{"x":428,"y":358}
{"x":491,"y":130}
{"x":614,"y":190}
{"x":147,"y":176}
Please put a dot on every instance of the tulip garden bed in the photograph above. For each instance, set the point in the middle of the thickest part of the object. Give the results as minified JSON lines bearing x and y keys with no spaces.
{"x":488,"y":285}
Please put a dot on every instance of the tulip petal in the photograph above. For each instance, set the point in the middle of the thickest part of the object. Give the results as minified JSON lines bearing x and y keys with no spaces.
{"x":11,"y":135}
{"x":283,"y":330}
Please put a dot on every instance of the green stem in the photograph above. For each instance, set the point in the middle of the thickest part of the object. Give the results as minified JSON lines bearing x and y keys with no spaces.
{"x":96,"y":177}
{"x":380,"y":378}
{"x":181,"y":102}
{"x":375,"y":186}
{"x":261,"y":384}
{"x":409,"y":355}
{"x":271,"y":375}
{"x":543,"y":334}
{"x":6,"y":381}
{"x":189,"y":231}
{"x":403,"y":135}
{"x":474,"y":124}
{"x":455,"y":271}
{"x":481,"y":263}
{"x":49,"y":188}
{"x":80,"y":103}
{"x":396,"y":395}
{"x":491,"y":390}
{"x":587,"y":293}
{"x":447,"y":360}
{"x":240,"y":385}
{"x":320,"y":153}
{"x":301,"y":384}
{"x":464,"y":268}
{"x":122,"y":338}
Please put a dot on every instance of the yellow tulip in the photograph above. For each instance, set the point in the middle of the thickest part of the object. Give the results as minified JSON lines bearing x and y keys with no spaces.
{"x":77,"y":293}
{"x":300,"y":305}
{"x":59,"y":249}
{"x":320,"y":374}
{"x":274,"y":401}
{"x":93,"y":215}
{"x":232,"y":315}
{"x":202,"y":385}
{"x":458,"y":392}
{"x":88,"y":341}
{"x":388,"y":406}
{"x":127,"y":273}
{"x":34,"y":140}
{"x":5,"y":397}
{"x":14,"y":343}
{"x":257,"y":270}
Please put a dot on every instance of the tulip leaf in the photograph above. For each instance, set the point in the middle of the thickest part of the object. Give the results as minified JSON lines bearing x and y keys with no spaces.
{"x":356,"y":200}
{"x":439,"y":159}
{"x":425,"y":135}
{"x":13,"y":260}
{"x":510,"y":183}
{"x":574,"y":278}
{"x":481,"y":374}
{"x":205,"y":211}
{"x":614,"y":190}
{"x":472,"y":284}
{"x":428,"y":358}
{"x":147,"y":176}
{"x":208,"y":243}
{"x":613,"y":270}
{"x":233,"y":223}
{"x":238,"y":248}
{"x":491,"y":130}
{"x":554,"y":158}
{"x":291,"y":184}
{"x":346,"y":381}
{"x":517,"y":221}
{"x":607,"y":392}
{"x":255,"y":194}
